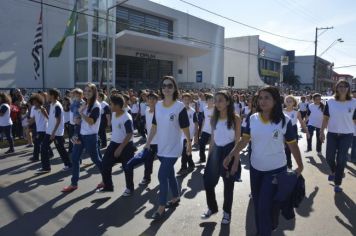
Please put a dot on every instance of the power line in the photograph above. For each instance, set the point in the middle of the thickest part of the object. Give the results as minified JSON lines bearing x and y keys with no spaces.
{"x":244,"y":24}
{"x":191,"y":39}
{"x":347,"y":66}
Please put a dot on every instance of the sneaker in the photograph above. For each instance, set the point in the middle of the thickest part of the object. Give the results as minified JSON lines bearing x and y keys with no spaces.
{"x":157,"y":215}
{"x":308,"y":150}
{"x":331,"y":177}
{"x":29,"y":145}
{"x":10,"y":151}
{"x":69,"y":189}
{"x":42,"y":171}
{"x":320,"y":154}
{"x":101,"y":185}
{"x":65,"y":168}
{"x":33,"y":159}
{"x":337,"y":189}
{"x":200,"y":162}
{"x":226,"y":218}
{"x":144,"y":182}
{"x":191,"y":169}
{"x":182,"y":172}
{"x":207,"y":214}
{"x":127,"y":193}
{"x":104,"y":190}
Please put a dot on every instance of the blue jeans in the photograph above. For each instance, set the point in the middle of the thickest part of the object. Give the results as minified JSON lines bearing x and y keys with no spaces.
{"x":263,"y":191}
{"x":337,"y":162}
{"x":167,"y":179}
{"x":90,"y":143}
{"x":147,"y":160}
{"x":353,"y":151}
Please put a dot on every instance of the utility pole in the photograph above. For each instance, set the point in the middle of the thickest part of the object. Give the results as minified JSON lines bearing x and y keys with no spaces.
{"x":315,"y":74}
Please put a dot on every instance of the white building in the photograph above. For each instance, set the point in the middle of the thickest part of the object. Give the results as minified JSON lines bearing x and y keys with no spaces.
{"x":147,"y":40}
{"x":254,"y":63}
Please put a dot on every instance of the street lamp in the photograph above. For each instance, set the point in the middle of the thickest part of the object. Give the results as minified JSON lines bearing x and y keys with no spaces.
{"x":107,"y":41}
{"x":339,"y":40}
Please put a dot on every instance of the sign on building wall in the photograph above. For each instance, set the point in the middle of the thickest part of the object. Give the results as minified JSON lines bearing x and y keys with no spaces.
{"x":199,"y":76}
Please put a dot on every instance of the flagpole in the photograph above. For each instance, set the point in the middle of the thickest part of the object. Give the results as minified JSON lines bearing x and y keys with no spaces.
{"x":42,"y":54}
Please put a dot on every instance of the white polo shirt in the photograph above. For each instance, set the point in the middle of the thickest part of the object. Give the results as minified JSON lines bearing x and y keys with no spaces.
{"x":121,"y":126}
{"x":303,"y":106}
{"x":5,"y":119}
{"x":245,"y":111}
{"x":149,"y":117}
{"x":237,"y":108}
{"x":169,"y":122}
{"x":341,"y":116}
{"x":315,"y":114}
{"x":267,"y":140}
{"x":55,"y":111}
{"x":293,"y":116}
{"x":192,"y":120}
{"x":94,"y":113}
{"x":40,"y":119}
{"x":208,"y":113}
{"x":222,"y":134}
{"x":135,"y":108}
{"x":142,"y":108}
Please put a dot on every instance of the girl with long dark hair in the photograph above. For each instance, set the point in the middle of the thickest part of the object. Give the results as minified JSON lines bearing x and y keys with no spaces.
{"x":226,"y":130}
{"x":89,"y":128}
{"x":268,"y":130}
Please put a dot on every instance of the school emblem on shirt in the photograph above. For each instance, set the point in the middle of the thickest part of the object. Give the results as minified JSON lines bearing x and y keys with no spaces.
{"x":275,"y":134}
{"x":119,"y":126}
{"x":292,"y":116}
{"x":171,"y":116}
{"x":350,"y":110}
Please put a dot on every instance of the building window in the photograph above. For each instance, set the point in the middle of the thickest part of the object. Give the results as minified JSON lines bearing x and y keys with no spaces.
{"x":142,"y":22}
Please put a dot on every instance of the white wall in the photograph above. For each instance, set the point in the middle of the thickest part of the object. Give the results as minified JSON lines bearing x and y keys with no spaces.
{"x":211,"y":64}
{"x":242,"y":66}
{"x":18,"y":22}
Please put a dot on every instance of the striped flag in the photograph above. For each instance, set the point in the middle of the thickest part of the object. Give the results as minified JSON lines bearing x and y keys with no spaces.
{"x":37,"y":45}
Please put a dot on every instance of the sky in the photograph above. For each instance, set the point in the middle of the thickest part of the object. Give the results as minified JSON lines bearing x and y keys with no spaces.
{"x":291,"y":18}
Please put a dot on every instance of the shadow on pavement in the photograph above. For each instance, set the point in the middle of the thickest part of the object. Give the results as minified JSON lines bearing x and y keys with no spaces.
{"x":347,"y":207}
{"x":306,"y":207}
{"x":322,"y":167}
{"x":208,"y":228}
{"x":94,"y":221}
{"x":30,"y":222}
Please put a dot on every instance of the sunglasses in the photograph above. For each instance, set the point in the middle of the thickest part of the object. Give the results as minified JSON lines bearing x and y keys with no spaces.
{"x":343,"y":86}
{"x":168,"y":86}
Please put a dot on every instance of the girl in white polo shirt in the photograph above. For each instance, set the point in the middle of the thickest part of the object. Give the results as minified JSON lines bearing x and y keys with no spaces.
{"x":54,"y":133}
{"x":5,"y":121}
{"x":121,"y":147}
{"x":206,"y":130}
{"x":89,"y":128}
{"x":169,"y":120}
{"x":314,"y":119}
{"x":290,"y":110}
{"x":193,"y":129}
{"x":39,"y":117}
{"x":226,"y":130}
{"x":268,"y":130}
{"x":339,"y":118}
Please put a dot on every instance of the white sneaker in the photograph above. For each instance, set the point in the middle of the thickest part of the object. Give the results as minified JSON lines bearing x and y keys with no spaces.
{"x":207,"y":214}
{"x":65,"y":168}
{"x":144,"y":182}
{"x":127,"y":193}
{"x":226,"y":218}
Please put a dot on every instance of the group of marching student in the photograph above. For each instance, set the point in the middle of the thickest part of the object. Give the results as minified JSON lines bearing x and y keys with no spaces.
{"x":265,"y":121}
